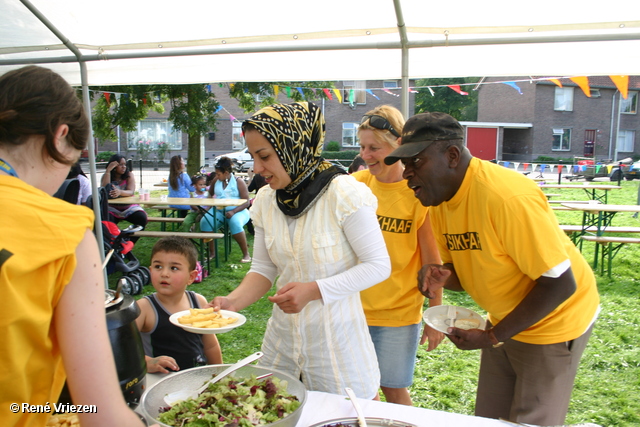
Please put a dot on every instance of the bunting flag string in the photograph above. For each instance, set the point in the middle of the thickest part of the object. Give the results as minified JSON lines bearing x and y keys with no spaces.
{"x":620,"y":82}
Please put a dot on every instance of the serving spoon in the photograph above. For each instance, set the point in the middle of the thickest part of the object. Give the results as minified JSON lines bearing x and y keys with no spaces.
{"x":177,"y":396}
{"x":352,"y":396}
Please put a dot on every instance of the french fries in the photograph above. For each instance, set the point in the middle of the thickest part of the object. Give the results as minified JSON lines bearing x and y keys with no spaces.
{"x":63,"y":420}
{"x":205,"y":318}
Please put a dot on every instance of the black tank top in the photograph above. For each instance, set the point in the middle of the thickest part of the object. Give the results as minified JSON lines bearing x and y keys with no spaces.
{"x":168,"y":339}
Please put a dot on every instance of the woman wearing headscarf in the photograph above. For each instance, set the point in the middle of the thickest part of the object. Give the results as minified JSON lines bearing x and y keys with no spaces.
{"x":317,"y":232}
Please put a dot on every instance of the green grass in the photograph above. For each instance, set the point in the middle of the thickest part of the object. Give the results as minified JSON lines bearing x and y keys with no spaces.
{"x":607,"y":387}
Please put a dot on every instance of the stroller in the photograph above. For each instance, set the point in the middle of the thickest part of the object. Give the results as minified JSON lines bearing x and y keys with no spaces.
{"x":119,"y":244}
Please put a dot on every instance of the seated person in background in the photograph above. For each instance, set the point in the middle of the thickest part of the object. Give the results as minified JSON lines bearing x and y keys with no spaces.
{"x":169,"y":347}
{"x":227,"y":186}
{"x":357,"y":165}
{"x":85,"y":184}
{"x":180,"y":184}
{"x":193,"y":217}
{"x":120,"y":182}
{"x":257,"y":182}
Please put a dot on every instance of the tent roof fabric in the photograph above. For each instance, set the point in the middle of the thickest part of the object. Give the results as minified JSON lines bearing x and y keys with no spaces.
{"x":137,"y":42}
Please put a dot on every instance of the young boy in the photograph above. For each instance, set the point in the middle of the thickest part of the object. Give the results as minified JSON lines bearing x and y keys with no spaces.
{"x":168,"y":347}
{"x":192,"y":220}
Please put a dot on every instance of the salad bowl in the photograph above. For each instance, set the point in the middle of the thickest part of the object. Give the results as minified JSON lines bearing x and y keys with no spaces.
{"x":153,"y":398}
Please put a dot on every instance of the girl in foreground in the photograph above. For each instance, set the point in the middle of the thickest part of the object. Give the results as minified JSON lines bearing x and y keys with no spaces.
{"x":317,"y":231}
{"x":52,"y":321}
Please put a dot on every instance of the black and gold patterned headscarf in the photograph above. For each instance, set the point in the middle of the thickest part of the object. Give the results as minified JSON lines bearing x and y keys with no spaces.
{"x":296,"y":132}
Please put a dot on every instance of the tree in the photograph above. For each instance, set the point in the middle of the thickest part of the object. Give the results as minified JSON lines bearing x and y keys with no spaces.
{"x":193,"y":107}
{"x":446,"y":100}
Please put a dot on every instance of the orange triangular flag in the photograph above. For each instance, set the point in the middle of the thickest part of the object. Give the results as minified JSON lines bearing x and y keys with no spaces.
{"x":583,"y":82}
{"x":622,"y":83}
{"x":556,"y":81}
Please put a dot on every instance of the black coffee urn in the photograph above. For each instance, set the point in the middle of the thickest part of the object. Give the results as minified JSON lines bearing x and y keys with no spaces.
{"x":128,"y":351}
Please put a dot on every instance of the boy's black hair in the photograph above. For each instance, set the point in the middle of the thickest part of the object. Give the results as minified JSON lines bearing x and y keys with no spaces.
{"x":177,"y":245}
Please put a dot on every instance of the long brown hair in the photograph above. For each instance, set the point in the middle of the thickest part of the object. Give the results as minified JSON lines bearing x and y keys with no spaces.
{"x":36,"y":101}
{"x":175,"y":166}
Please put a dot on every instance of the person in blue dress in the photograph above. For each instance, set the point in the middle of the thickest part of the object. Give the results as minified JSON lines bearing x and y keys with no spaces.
{"x":179,"y":184}
{"x":226,"y":185}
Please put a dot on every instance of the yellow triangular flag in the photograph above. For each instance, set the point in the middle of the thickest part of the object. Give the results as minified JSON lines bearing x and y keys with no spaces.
{"x":276,"y":90}
{"x":556,"y":81}
{"x":338,"y":95}
{"x":622,"y":83}
{"x":583,"y":82}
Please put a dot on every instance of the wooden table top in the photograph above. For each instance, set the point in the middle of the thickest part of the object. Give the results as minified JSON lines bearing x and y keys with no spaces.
{"x":601,"y":207}
{"x":177,"y":201}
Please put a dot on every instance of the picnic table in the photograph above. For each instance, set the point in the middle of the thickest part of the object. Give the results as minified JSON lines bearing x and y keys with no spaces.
{"x":594,"y":191}
{"x":201,"y":204}
{"x":600,"y":216}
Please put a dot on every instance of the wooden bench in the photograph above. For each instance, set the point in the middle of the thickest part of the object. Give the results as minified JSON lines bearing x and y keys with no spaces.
{"x":610,"y":247}
{"x":200,"y":239}
{"x":164,"y":220}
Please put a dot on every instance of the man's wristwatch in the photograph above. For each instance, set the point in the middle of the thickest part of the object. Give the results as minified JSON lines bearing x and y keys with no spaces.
{"x":493,"y":339}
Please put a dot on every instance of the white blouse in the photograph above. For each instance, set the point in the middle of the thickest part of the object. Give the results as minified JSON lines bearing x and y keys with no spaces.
{"x":338,"y":244}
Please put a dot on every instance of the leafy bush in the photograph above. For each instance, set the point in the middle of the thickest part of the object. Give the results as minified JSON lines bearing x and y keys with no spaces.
{"x":340,"y":155}
{"x":333,"y":146}
{"x":104,"y":156}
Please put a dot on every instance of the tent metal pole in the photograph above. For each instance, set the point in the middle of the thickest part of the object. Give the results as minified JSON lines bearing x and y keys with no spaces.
{"x":404,"y":73}
{"x":327,"y":47}
{"x":87,"y":106}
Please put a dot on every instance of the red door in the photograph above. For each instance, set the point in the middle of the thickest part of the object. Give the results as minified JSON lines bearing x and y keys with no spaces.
{"x":483,"y":142}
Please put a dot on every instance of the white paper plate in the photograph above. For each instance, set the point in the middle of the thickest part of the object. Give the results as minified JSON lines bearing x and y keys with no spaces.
{"x":225,"y":313}
{"x":436,"y":316}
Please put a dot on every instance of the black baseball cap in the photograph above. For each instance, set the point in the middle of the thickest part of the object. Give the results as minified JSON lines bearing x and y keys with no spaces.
{"x":422,"y":130}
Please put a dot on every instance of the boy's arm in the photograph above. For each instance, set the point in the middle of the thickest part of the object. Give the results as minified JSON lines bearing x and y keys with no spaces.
{"x":141,"y":320}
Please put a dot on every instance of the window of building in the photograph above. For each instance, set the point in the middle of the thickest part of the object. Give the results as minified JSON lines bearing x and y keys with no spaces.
{"x":595,"y":93}
{"x":561,"y":140}
{"x":350,"y":135}
{"x":563,"y":99}
{"x":354,"y":92}
{"x":390,"y":84}
{"x":153,"y":131}
{"x":629,"y":105}
{"x":237,"y":138}
{"x":626,"y":139}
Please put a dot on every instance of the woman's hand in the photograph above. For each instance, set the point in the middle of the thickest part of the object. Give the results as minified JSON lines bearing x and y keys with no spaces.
{"x":294,"y":296}
{"x":221,"y":303}
{"x":111,"y":166}
{"x":229,"y":214}
{"x":115,"y":192}
{"x":433,"y":337}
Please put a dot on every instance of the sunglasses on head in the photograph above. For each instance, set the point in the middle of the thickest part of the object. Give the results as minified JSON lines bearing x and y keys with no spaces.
{"x":379,"y":122}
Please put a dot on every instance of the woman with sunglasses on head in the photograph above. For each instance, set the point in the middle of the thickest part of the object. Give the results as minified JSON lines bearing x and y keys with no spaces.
{"x":226,"y":185}
{"x":317,"y":233}
{"x":52,"y":321}
{"x":394,"y":307}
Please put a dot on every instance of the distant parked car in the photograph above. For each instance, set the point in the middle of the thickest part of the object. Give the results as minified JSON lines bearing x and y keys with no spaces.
{"x":242,"y":157}
{"x":632,"y":171}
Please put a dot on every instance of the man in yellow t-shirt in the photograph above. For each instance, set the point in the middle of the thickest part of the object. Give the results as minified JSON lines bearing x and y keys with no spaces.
{"x":500,"y":242}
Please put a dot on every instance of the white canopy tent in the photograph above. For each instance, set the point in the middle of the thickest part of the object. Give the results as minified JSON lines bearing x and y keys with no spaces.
{"x":98,"y":42}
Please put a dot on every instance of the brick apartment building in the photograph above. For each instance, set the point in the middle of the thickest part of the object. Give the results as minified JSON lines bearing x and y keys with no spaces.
{"x":560,"y":122}
{"x":341,"y":119}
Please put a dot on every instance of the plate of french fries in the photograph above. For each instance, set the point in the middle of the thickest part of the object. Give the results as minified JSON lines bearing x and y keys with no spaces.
{"x":207,"y":321}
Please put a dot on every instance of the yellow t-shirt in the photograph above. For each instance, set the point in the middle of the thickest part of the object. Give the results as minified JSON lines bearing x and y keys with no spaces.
{"x":396,"y":301}
{"x":38,"y":238}
{"x":500,"y":234}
